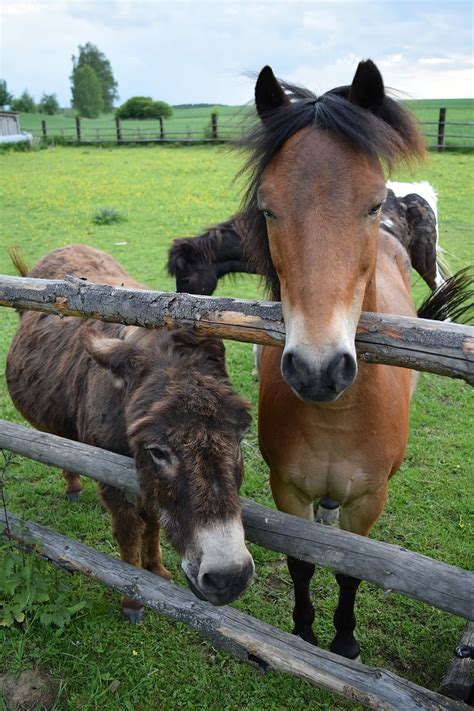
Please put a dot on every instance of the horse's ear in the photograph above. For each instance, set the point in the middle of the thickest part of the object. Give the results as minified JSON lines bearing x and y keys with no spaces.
{"x":367,"y":89}
{"x":269,"y":95}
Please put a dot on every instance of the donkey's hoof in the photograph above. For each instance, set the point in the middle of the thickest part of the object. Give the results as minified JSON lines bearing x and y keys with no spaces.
{"x":133,"y":617}
{"x":74,"y":496}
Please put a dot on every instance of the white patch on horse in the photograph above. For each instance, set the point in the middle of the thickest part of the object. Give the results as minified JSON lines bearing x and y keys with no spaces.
{"x":428,"y":193}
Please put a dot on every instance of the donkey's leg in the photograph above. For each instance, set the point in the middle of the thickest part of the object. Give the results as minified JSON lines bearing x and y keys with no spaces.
{"x":151,"y":549}
{"x":358,"y":517}
{"x":128,"y":528}
{"x":73,"y":486}
{"x":289,"y":500}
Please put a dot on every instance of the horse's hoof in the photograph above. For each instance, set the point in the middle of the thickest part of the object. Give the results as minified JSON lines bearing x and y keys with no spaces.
{"x":74,"y":496}
{"x":307,"y":637}
{"x":133,"y":617}
{"x":348,"y":649}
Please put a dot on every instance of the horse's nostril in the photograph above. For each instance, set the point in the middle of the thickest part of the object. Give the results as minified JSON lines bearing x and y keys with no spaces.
{"x":342,"y":370}
{"x":215,"y":581}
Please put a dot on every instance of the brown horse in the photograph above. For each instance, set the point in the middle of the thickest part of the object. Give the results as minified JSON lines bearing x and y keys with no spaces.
{"x":328,"y":427}
{"x":163,"y":398}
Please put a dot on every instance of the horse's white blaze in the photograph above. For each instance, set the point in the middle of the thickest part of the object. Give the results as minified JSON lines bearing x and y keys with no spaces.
{"x":219,"y":547}
{"x":318,"y":345}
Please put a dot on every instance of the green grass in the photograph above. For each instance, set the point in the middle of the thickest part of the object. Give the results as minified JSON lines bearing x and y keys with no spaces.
{"x":230,"y":119}
{"x":48,"y":200}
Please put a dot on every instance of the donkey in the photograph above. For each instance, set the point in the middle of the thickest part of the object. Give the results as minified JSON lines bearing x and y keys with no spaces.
{"x":163,"y":398}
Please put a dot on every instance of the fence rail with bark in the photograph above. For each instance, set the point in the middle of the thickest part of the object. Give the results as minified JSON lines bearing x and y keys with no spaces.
{"x":420,"y":344}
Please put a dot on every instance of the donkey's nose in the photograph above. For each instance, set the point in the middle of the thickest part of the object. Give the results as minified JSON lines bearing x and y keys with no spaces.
{"x":314,"y":381}
{"x":223,"y":586}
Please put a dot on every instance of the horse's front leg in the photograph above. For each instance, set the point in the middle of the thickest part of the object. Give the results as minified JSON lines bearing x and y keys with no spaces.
{"x":289,"y":500}
{"x":359,"y":517}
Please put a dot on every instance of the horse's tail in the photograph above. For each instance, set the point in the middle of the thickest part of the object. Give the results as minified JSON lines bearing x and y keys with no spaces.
{"x":453,"y":300}
{"x":18,"y":261}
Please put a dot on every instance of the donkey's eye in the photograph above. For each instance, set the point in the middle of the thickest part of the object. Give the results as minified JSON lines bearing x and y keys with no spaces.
{"x":375,"y":210}
{"x":160,"y":455}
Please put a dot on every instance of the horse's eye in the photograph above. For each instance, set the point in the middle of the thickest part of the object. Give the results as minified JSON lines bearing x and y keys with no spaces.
{"x":160,"y":455}
{"x":268,"y":214}
{"x":375,"y":210}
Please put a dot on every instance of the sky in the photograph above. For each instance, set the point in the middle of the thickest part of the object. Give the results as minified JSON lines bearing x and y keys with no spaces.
{"x":193,"y":52}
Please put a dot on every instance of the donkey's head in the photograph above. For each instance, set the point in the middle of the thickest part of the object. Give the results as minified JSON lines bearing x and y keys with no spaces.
{"x":185,"y":425}
{"x":315,"y":200}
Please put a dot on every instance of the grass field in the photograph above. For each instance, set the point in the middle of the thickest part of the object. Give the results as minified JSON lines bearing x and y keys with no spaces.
{"x":48,"y":199}
{"x":230,"y":118}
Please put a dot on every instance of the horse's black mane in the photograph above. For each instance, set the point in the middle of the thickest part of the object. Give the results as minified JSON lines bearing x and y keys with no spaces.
{"x":389,"y":133}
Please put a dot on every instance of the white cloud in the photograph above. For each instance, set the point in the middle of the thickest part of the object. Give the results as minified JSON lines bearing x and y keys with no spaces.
{"x":191,"y":52}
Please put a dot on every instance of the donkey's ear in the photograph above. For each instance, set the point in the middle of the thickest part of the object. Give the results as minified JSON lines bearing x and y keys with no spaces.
{"x":269,"y":95}
{"x":123,"y":359}
{"x":367,"y":89}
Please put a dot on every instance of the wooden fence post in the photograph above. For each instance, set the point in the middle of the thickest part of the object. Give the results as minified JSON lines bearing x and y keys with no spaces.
{"x":441,"y":126}
{"x":118,"y":126}
{"x":44,"y":129}
{"x":162,"y":128}
{"x":214,"y":126}
{"x":78,"y":128}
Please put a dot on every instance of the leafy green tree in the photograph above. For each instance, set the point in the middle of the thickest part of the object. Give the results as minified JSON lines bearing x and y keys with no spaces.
{"x":49,"y":104}
{"x":25,"y":103}
{"x":91,"y":56}
{"x":5,"y":96}
{"x":143,"y":107}
{"x":87,"y":92}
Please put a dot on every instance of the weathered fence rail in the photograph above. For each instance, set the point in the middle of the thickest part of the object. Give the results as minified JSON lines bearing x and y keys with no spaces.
{"x":391,"y":567}
{"x":441,"y":348}
{"x":245,"y":637}
{"x":229,"y":127}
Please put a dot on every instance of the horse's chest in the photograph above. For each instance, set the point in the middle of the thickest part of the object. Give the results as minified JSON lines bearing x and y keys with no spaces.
{"x":328,"y":453}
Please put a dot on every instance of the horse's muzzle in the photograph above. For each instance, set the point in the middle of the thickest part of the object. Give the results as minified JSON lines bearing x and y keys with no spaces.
{"x":313,"y":383}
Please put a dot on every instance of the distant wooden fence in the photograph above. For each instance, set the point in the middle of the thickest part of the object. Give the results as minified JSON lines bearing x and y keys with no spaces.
{"x":448,"y":135}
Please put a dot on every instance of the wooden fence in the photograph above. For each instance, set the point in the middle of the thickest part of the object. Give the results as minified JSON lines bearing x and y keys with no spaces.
{"x":257,"y":643}
{"x":448,"y":135}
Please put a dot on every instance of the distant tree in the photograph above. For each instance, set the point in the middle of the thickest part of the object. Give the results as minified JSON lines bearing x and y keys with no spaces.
{"x":143,"y":107}
{"x":49,"y":104}
{"x":25,"y":103}
{"x":5,"y":96}
{"x":87,"y":92}
{"x":91,"y":56}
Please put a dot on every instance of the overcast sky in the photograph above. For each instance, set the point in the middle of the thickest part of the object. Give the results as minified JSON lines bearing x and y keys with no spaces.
{"x":189,"y":52}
